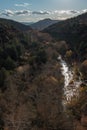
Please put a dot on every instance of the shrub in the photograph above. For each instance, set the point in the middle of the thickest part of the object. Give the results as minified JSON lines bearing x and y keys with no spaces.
{"x":3,"y":75}
{"x":84,"y":68}
{"x":9,"y":64}
{"x":41,"y":56}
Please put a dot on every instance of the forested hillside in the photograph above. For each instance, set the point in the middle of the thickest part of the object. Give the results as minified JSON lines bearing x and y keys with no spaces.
{"x":34,"y":67}
{"x":74,"y":32}
{"x":29,"y":76}
{"x":14,"y":24}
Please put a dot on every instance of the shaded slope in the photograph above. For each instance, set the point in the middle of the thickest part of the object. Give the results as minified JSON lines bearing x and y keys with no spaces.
{"x":74,"y":32}
{"x":17,"y":25}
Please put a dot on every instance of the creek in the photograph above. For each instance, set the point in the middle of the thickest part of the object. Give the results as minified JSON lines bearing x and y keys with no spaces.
{"x":71,"y":85}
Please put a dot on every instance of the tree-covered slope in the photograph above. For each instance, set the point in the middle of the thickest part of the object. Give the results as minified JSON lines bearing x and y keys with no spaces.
{"x":17,"y":25}
{"x":31,"y":82}
{"x":74,"y":32}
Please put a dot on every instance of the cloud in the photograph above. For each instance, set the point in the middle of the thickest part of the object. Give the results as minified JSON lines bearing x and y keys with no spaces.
{"x":22,"y":12}
{"x":40,"y":12}
{"x":74,"y":11}
{"x":15,"y":13}
{"x":7,"y":13}
{"x":84,"y":11}
{"x":67,"y":12}
{"x":22,"y":5}
{"x":56,"y":14}
{"x":64,"y":14}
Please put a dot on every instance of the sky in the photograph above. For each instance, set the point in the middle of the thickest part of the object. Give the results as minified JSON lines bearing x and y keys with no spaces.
{"x":35,"y":10}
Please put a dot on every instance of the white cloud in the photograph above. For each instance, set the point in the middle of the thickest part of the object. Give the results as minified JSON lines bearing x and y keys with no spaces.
{"x":56,"y":14}
{"x":64,"y":14}
{"x":74,"y":11}
{"x":22,"y":12}
{"x":40,"y":12}
{"x":7,"y":13}
{"x":27,"y":12}
{"x":22,"y":5}
{"x":67,"y":12}
{"x":84,"y":11}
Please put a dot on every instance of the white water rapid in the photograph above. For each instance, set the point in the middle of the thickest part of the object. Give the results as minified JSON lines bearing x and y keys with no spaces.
{"x":71,"y":86}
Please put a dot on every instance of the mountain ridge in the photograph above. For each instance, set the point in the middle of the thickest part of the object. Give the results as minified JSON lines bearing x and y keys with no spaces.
{"x":40,"y":25}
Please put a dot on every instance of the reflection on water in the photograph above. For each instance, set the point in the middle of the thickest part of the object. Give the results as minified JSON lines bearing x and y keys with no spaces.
{"x":70,"y":84}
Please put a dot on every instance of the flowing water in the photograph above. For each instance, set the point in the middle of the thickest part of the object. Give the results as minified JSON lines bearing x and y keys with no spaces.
{"x":71,"y":86}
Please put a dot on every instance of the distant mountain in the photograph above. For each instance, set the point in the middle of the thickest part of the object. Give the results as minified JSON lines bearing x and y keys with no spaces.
{"x":27,"y":23}
{"x":16,"y":25}
{"x":74,"y":32}
{"x":42,"y":24}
